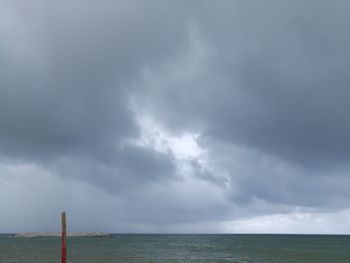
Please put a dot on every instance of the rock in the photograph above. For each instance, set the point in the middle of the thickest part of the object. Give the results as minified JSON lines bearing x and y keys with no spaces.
{"x":45,"y":234}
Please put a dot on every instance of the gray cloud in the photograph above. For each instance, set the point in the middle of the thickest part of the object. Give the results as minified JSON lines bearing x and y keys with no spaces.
{"x":68,"y":90}
{"x":271,"y":78}
{"x":277,"y":80}
{"x":126,"y":170}
{"x":64,"y":89}
{"x":263,"y":83}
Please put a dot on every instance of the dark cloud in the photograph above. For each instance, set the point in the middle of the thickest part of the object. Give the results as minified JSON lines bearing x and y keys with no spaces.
{"x":68,"y":89}
{"x":263,"y":83}
{"x":277,"y":80}
{"x":126,"y":170}
{"x":272,"y":79}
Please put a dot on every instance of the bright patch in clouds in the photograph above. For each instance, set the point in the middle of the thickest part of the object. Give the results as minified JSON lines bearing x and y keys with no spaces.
{"x":183,"y":147}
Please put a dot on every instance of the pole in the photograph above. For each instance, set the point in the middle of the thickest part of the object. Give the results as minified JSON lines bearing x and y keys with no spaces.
{"x":64,"y":237}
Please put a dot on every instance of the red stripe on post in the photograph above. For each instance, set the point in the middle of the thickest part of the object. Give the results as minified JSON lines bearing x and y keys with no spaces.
{"x":64,"y":238}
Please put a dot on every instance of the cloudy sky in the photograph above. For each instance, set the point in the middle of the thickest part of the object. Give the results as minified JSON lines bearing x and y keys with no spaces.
{"x":175,"y":116}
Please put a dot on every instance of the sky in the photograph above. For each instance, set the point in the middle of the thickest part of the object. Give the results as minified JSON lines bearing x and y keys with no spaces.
{"x":175,"y":116}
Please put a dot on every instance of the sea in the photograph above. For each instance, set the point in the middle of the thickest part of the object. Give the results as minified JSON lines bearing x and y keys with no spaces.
{"x":239,"y":248}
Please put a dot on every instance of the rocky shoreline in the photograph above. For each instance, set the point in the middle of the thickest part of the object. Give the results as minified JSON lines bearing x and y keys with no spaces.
{"x":44,"y":234}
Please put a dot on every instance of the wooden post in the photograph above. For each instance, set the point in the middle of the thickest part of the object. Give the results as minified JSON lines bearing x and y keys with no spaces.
{"x":64,"y":237}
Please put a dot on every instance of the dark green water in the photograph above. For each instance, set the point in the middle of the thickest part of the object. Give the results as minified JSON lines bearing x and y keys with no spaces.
{"x":180,"y":248}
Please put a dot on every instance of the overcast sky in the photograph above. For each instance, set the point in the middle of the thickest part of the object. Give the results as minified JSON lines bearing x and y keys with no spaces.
{"x":175,"y":116}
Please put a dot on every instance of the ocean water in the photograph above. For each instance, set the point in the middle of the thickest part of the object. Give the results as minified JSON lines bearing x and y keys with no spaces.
{"x":180,"y":248}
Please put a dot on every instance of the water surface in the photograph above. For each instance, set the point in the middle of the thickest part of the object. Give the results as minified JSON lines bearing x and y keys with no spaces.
{"x":180,"y":248}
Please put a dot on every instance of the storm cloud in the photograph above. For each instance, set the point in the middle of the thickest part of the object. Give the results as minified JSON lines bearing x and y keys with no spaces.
{"x":175,"y":116}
